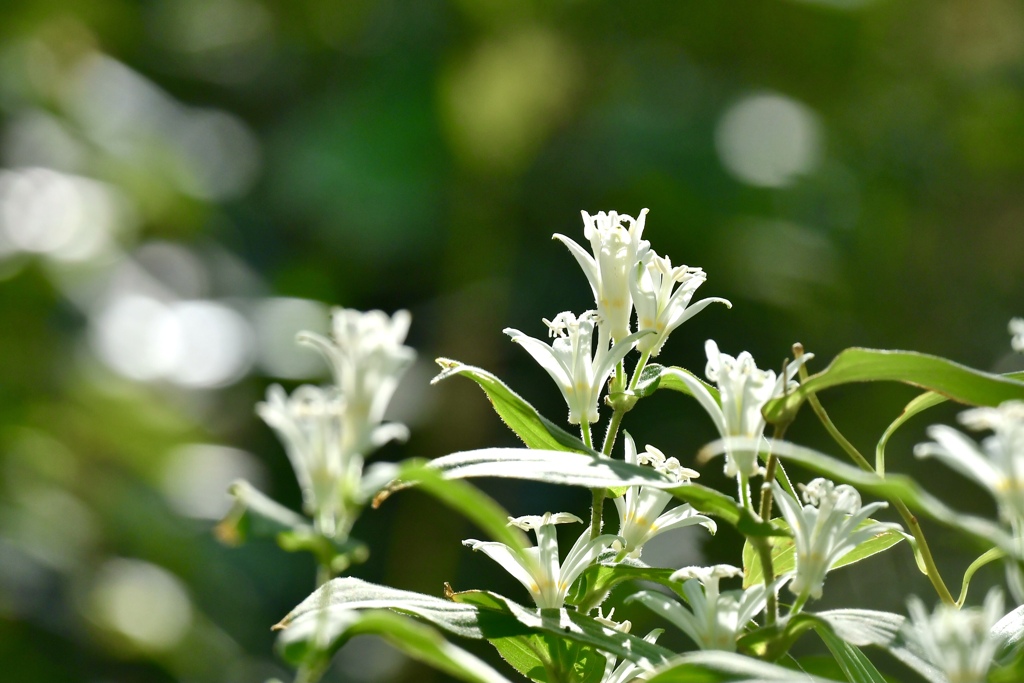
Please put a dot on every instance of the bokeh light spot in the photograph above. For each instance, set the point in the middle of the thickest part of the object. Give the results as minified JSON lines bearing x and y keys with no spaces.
{"x":142,"y":602}
{"x":768,"y":140}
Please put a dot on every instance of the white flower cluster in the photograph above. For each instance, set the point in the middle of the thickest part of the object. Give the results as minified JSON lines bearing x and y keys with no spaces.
{"x":329,"y":431}
{"x":624,"y":273}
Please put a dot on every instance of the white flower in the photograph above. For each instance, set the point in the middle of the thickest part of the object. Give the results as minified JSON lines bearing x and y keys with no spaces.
{"x":659,"y":307}
{"x":538,"y":568}
{"x":743,"y":390}
{"x":998,"y":464}
{"x":1017,"y":330}
{"x":570,"y":360}
{"x":616,"y":251}
{"x":368,"y":357}
{"x":824,"y":530}
{"x":958,"y":642}
{"x":627,"y":671}
{"x":714,"y":619}
{"x":327,"y":467}
{"x":640,"y":508}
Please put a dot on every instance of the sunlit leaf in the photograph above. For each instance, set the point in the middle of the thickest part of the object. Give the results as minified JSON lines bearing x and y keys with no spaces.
{"x":569,"y":624}
{"x":855,"y":665}
{"x":460,"y":496}
{"x":724,"y":667}
{"x":314,"y":639}
{"x":952,"y":380}
{"x":534,"y":429}
{"x":784,"y":552}
{"x":474,"y":614}
{"x":669,"y":378}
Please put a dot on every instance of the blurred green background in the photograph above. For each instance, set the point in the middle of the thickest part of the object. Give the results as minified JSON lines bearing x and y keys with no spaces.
{"x":187,"y":183}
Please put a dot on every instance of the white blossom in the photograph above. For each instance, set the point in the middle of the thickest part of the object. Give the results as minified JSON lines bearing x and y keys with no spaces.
{"x":1017,"y":330}
{"x":957,"y":642}
{"x":538,"y":568}
{"x":311,"y":425}
{"x":997,"y":464}
{"x":662,"y":296}
{"x":714,"y":619}
{"x":743,"y":392}
{"x":641,"y":508}
{"x":824,"y":530}
{"x":368,"y":358}
{"x":579,"y":371}
{"x":615,"y":240}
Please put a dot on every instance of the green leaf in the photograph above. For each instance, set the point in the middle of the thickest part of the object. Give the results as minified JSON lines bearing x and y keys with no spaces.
{"x":952,"y":380}
{"x":920,"y":404}
{"x":522,"y":654}
{"x":548,"y":659}
{"x":595,"y":583}
{"x":473,"y":614}
{"x":552,"y":467}
{"x":710,"y":502}
{"x":893,"y":486}
{"x":784,"y":552}
{"x":460,"y":496}
{"x":650,"y":380}
{"x":724,"y":667}
{"x":669,"y":379}
{"x":857,"y":667}
{"x":571,"y":625}
{"x":313,"y":641}
{"x":534,"y":429}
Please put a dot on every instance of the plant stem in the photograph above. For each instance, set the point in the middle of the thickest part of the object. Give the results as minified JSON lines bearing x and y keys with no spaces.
{"x":908,"y":517}
{"x":612,"y":433}
{"x":772,"y":465}
{"x":596,"y":511}
{"x":764,"y":551}
{"x":585,"y":434}
{"x":640,"y":365}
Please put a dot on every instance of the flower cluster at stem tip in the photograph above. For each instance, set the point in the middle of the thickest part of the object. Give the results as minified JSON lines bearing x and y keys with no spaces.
{"x":624,"y":273}
{"x":328,"y":432}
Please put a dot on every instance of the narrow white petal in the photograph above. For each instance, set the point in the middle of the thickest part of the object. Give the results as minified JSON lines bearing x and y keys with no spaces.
{"x":509,"y":560}
{"x":704,"y":398}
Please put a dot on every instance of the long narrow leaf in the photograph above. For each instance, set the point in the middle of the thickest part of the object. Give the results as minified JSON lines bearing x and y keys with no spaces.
{"x":323,"y":635}
{"x":534,"y":429}
{"x":952,"y":380}
{"x":724,"y":667}
{"x":857,"y":667}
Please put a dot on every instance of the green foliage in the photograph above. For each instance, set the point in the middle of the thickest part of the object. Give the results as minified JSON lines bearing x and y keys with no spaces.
{"x":534,"y":429}
{"x":784,"y":552}
{"x":944,"y":377}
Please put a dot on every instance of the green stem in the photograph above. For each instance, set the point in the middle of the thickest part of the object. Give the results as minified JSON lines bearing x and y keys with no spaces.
{"x":908,"y":517}
{"x":640,"y":365}
{"x":764,"y":551}
{"x":596,"y":512}
{"x":771,"y":466}
{"x":585,"y":434}
{"x":612,"y":433}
